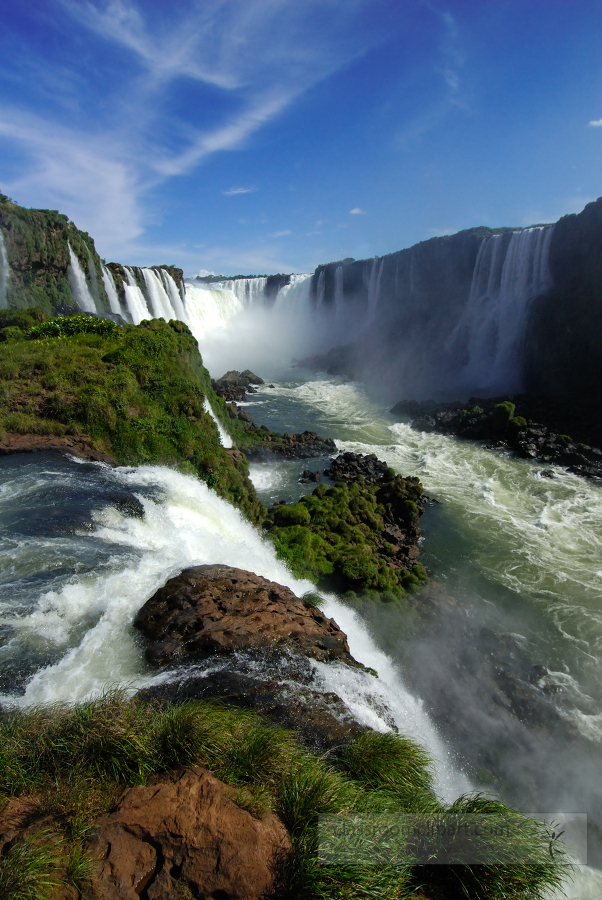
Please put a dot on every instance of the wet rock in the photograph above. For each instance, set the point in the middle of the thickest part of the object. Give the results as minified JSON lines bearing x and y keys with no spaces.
{"x":219,"y":609}
{"x":189,"y":834}
{"x":306,"y":445}
{"x":235,"y":412}
{"x":282,"y":687}
{"x":349,"y":466}
{"x":307,"y":477}
{"x":233,"y":386}
{"x":80,"y":445}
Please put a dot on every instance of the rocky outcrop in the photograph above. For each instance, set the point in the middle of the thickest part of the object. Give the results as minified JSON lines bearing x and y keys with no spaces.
{"x":306,"y":445}
{"x":502,"y":423}
{"x":218,"y":609}
{"x":80,"y":446}
{"x":234,"y":386}
{"x":349,"y":466}
{"x":185,"y":835}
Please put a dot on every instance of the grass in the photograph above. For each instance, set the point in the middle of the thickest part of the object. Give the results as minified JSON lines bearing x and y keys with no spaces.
{"x":137,"y":391}
{"x":77,"y":760}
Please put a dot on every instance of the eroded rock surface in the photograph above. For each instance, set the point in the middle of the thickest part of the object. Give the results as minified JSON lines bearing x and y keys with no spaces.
{"x":80,"y":445}
{"x":306,"y":445}
{"x":189,"y":834}
{"x":219,"y":609}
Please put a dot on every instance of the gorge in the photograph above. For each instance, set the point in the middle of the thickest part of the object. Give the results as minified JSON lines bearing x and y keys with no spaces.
{"x":494,"y":667}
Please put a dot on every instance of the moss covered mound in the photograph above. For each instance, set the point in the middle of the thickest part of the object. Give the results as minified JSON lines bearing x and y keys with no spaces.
{"x":137,"y":391}
{"x":357,"y":538}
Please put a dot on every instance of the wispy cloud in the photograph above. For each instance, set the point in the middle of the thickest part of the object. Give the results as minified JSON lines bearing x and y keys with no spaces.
{"x":597,"y":123}
{"x":239,"y":190}
{"x":278,"y":234}
{"x":238,"y":63}
{"x":356,"y":211}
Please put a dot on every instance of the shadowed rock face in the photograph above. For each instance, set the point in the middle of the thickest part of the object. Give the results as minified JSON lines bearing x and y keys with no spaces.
{"x":188,"y":834}
{"x":219,"y":609}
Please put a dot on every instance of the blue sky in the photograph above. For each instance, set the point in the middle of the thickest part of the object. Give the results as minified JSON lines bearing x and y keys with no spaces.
{"x":273,"y":135}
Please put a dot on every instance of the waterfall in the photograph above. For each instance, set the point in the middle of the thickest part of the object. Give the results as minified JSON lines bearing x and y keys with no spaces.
{"x":174,"y":295}
{"x":134,"y":298}
{"x":208,"y":308}
{"x":93,"y":279}
{"x":111,"y":290}
{"x":490,"y":332}
{"x":78,"y":284}
{"x":160,"y":304}
{"x":338,"y":292}
{"x":248,"y":290}
{"x":321,"y":289}
{"x":294,"y":296}
{"x":4,"y":273}
{"x":374,"y":287}
{"x":224,"y":438}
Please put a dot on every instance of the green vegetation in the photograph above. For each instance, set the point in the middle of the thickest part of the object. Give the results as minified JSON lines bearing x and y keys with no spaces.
{"x":37,"y":243}
{"x":338,"y":536}
{"x":137,"y":391}
{"x":75,"y":761}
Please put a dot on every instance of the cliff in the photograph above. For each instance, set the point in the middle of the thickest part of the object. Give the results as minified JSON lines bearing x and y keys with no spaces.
{"x":563,"y":342}
{"x":47,"y":262}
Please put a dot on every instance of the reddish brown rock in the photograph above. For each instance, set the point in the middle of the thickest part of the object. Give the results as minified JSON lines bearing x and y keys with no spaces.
{"x":190,"y":834}
{"x":80,"y":445}
{"x":219,"y":609}
{"x":15,"y":817}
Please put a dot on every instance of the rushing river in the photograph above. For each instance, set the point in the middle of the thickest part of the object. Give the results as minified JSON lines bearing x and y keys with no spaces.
{"x":82,"y":546}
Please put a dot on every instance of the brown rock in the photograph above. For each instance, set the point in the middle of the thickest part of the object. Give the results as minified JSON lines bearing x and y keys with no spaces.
{"x":185,"y":834}
{"x":219,"y":609}
{"x":15,"y":817}
{"x":80,"y":445}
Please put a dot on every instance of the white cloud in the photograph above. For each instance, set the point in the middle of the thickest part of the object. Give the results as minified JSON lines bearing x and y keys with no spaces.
{"x":278,"y":234}
{"x":255,"y":57}
{"x":356,"y":211}
{"x":240,"y":190}
{"x":203,"y":273}
{"x":597,"y":123}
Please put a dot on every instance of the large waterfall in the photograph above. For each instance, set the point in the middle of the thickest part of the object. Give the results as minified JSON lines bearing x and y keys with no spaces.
{"x":79,"y":285}
{"x":507,"y":276}
{"x":4,"y":273}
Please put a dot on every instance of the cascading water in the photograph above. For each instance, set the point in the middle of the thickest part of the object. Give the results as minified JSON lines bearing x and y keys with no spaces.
{"x":78,"y":284}
{"x":224,"y":437}
{"x":160,"y":303}
{"x":134,"y":298}
{"x":4,"y":273}
{"x":208,"y":308}
{"x":338,"y":292}
{"x":374,"y":288}
{"x":247,"y":290}
{"x":490,"y":331}
{"x":175,"y":297}
{"x":111,"y":290}
{"x":93,"y":278}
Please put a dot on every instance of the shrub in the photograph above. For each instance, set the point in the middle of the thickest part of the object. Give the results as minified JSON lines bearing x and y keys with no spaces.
{"x":66,"y":326}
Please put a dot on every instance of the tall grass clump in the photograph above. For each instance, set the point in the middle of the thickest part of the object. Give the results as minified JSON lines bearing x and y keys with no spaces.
{"x":74,"y":762}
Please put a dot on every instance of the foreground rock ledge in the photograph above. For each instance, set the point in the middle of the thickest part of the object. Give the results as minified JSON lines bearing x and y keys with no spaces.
{"x":191,"y":834}
{"x":220,"y":609}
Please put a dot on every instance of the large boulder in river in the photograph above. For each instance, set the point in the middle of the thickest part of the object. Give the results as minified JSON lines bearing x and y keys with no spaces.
{"x":187,"y":838}
{"x":218,"y":609}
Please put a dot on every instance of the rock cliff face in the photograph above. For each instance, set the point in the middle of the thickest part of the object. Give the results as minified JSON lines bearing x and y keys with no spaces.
{"x":46,"y":261}
{"x":480,"y":312}
{"x":37,"y":245}
{"x":563,"y":345}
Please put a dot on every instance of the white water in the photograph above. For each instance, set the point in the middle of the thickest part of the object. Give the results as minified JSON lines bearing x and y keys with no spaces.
{"x":248,"y":291}
{"x":175,"y":298}
{"x":225,"y":439}
{"x":208,"y":309}
{"x":374,"y":288}
{"x":4,"y":273}
{"x":78,"y":284}
{"x":134,"y":299}
{"x":491,"y":329}
{"x":93,"y":279}
{"x":111,"y":290}
{"x":187,"y":524}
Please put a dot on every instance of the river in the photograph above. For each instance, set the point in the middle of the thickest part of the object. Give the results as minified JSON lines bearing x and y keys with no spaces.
{"x":82,"y":547}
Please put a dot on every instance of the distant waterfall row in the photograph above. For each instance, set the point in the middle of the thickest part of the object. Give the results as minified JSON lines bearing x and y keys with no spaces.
{"x":4,"y":273}
{"x":510,"y":271}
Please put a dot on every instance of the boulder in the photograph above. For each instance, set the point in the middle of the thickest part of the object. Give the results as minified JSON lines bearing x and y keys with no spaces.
{"x":191,"y":835}
{"x":219,"y":609}
{"x":306,"y":445}
{"x":348,"y":466}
